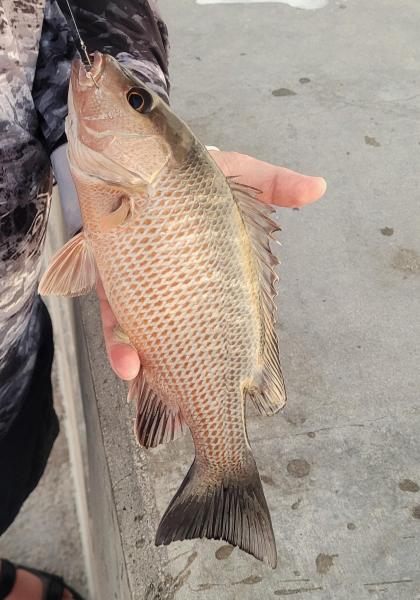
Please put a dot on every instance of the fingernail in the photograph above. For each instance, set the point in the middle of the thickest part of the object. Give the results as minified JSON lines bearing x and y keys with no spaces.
{"x":323,"y":183}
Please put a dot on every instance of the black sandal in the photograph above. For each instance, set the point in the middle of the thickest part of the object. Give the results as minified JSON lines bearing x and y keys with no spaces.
{"x":54,"y":586}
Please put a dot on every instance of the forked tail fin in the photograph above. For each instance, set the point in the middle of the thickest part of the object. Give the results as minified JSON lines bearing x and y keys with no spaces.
{"x":232,"y":508}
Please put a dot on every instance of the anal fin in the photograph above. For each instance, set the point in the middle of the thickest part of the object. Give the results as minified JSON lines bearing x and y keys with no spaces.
{"x":156,"y":422}
{"x":72,"y":271}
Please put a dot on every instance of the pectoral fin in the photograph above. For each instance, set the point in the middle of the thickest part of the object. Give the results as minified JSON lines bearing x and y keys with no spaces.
{"x":72,"y":271}
{"x":118,"y":216}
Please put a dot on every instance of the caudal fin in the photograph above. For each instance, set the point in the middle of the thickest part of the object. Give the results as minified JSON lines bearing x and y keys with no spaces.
{"x":233,"y":509}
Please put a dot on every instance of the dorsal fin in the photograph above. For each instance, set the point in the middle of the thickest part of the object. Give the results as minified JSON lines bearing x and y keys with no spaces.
{"x":156,"y":422}
{"x":267,"y":391}
{"x":72,"y":271}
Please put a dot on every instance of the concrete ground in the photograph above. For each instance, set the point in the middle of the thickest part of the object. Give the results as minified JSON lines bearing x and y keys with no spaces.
{"x":332,"y":92}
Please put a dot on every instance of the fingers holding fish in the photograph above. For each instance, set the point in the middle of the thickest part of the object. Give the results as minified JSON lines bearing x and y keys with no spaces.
{"x":122,"y":356}
{"x":278,"y":185}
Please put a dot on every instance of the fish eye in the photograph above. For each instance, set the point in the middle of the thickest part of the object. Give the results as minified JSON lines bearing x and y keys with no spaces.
{"x":140,"y":100}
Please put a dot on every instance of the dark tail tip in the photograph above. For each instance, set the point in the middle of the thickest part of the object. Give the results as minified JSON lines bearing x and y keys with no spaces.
{"x":234,"y":510}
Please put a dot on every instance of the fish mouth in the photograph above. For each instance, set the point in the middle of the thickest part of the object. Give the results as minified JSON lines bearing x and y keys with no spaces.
{"x":87,"y":75}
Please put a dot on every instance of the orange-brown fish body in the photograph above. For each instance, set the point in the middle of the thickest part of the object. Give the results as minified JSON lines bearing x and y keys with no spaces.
{"x":184,"y":258}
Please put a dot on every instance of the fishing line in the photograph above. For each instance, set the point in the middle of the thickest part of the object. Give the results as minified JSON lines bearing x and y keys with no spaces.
{"x":82,"y":44}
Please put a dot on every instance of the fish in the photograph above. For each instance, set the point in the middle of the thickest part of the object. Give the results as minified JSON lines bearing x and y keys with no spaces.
{"x":185,"y":258}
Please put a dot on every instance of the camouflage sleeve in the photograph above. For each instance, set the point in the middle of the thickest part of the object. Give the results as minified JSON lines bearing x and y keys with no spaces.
{"x":133,"y":32}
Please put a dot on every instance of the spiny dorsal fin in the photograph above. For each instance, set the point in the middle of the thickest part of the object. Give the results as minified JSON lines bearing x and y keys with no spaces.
{"x":268,"y":391}
{"x":72,"y":271}
{"x":156,"y":423}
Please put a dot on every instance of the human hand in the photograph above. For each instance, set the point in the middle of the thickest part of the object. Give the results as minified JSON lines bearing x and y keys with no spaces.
{"x":278,"y":185}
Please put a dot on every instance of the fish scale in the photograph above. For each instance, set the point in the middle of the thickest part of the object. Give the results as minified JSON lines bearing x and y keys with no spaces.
{"x":184,"y":257}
